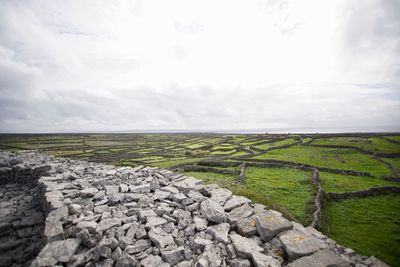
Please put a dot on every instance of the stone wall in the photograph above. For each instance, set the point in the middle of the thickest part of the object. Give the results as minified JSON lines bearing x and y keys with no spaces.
{"x":100,"y":215}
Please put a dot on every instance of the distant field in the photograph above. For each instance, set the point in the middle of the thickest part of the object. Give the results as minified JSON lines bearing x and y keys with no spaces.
{"x":273,"y":176}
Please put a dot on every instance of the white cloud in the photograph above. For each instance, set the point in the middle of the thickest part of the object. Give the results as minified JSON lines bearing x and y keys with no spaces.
{"x":121,"y":65}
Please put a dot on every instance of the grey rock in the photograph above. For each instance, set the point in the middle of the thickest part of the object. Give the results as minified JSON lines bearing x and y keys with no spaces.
{"x":57,"y":251}
{"x":247,"y":227}
{"x":262,"y":260}
{"x":138,"y":246}
{"x":161,"y":238}
{"x":212,"y":211}
{"x":141,"y":232}
{"x":321,"y":258}
{"x":196,"y":196}
{"x":74,"y":209}
{"x":140,"y":189}
{"x":153,"y":260}
{"x":155,"y":221}
{"x":269,"y":224}
{"x":89,"y":225}
{"x":239,"y":213}
{"x":209,"y":258}
{"x":240,"y":263}
{"x":107,"y":224}
{"x":235,"y":202}
{"x":219,"y":232}
{"x":88,"y":192}
{"x":244,"y":246}
{"x":298,"y":244}
{"x":173,"y":256}
{"x":221,"y":195}
{"x":201,"y":223}
{"x":201,"y":243}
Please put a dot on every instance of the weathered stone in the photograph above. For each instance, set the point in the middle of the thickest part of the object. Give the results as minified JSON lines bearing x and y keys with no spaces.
{"x":74,"y":209}
{"x":201,"y":243}
{"x":235,"y":202}
{"x":269,"y":225}
{"x":126,"y":260}
{"x":244,"y":246}
{"x":141,"y":232}
{"x":152,"y":260}
{"x":143,"y":214}
{"x":219,"y":232}
{"x":240,"y":263}
{"x":297,"y":244}
{"x":262,"y":260}
{"x":140,"y":189}
{"x":160,"y":238}
{"x":239,"y":213}
{"x":155,"y":221}
{"x":221,"y":195}
{"x":209,"y":258}
{"x":88,"y":192}
{"x":107,"y":224}
{"x":187,"y":184}
{"x":184,"y":218}
{"x":321,"y":258}
{"x":139,"y":246}
{"x":89,"y":225}
{"x":123,"y":188}
{"x":201,"y":223}
{"x":196,"y":196}
{"x":212,"y":211}
{"x":53,"y":230}
{"x":247,"y":227}
{"x":173,"y":256}
{"x":60,"y":251}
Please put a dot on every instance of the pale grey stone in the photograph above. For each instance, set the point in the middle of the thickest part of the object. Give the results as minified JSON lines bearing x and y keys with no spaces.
{"x":212,"y":211}
{"x":107,"y":224}
{"x":244,"y":246}
{"x":57,"y":251}
{"x":262,"y":260}
{"x":297,"y":244}
{"x":321,"y":258}
{"x":88,"y":192}
{"x":138,"y":246}
{"x":152,"y":261}
{"x":209,"y":258}
{"x":140,"y":189}
{"x":155,"y":221}
{"x":247,"y":227}
{"x":201,"y":223}
{"x":173,"y":256}
{"x":89,"y":225}
{"x":160,"y":238}
{"x":239,"y":213}
{"x":201,"y":243}
{"x":196,"y":196}
{"x":74,"y":209}
{"x":269,"y":225}
{"x":221,"y":195}
{"x":240,"y":263}
{"x":219,"y":232}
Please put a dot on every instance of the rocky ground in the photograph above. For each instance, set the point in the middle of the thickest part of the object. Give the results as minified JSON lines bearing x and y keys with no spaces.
{"x":100,"y":215}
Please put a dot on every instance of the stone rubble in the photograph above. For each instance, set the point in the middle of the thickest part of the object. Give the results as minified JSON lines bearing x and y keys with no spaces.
{"x":60,"y":212}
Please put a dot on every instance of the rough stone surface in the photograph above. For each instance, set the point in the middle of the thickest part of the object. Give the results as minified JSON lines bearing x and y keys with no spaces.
{"x":269,"y":224}
{"x":60,"y":212}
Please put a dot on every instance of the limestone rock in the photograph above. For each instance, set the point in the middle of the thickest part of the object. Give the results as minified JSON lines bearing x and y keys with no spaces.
{"x":235,"y":202}
{"x":262,"y":260}
{"x":297,"y":244}
{"x":108,"y":223}
{"x":139,"y":246}
{"x":321,"y":258}
{"x":58,"y":251}
{"x":212,"y":211}
{"x":153,"y":260}
{"x":244,"y":246}
{"x":269,"y":225}
{"x":219,"y":232}
{"x":160,"y":238}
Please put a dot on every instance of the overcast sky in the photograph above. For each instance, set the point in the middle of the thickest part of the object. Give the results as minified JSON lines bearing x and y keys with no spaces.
{"x":70,"y":66}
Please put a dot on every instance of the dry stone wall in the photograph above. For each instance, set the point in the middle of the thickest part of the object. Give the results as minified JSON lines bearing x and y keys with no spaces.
{"x":101,"y":215}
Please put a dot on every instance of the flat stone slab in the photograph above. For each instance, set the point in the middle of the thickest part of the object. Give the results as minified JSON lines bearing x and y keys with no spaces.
{"x":60,"y":251}
{"x":244,"y":246}
{"x":240,"y":213}
{"x":221,"y":195}
{"x":161,"y":238}
{"x":247,"y":227}
{"x":297,"y":244}
{"x":219,"y":232}
{"x":262,"y":260}
{"x":107,"y":224}
{"x":212,"y":211}
{"x":269,"y":224}
{"x":321,"y":258}
{"x":235,"y":202}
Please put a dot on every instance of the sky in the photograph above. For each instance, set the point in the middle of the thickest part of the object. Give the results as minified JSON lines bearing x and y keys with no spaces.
{"x":88,"y":66}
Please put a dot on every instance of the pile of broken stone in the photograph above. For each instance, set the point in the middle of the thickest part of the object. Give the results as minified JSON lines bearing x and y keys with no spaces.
{"x":102,"y":215}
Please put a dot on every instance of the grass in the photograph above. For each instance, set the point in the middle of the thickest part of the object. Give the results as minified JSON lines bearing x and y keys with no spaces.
{"x":345,"y":183}
{"x":372,"y":144}
{"x":335,"y":158}
{"x":289,"y":187}
{"x":370,"y":225}
{"x":276,"y":144}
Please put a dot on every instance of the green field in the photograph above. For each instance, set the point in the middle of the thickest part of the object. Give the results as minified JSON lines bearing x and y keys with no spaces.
{"x":369,"y":225}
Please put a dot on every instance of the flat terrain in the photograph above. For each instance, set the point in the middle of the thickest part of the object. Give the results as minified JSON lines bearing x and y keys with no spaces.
{"x":277,"y":172}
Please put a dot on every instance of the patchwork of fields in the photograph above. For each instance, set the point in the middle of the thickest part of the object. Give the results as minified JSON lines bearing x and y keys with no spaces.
{"x":277,"y":171}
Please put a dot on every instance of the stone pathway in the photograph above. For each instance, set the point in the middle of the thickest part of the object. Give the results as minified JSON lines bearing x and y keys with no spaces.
{"x":100,"y":215}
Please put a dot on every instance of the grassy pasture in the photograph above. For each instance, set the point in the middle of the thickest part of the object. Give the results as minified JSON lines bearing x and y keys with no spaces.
{"x":285,"y":189}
